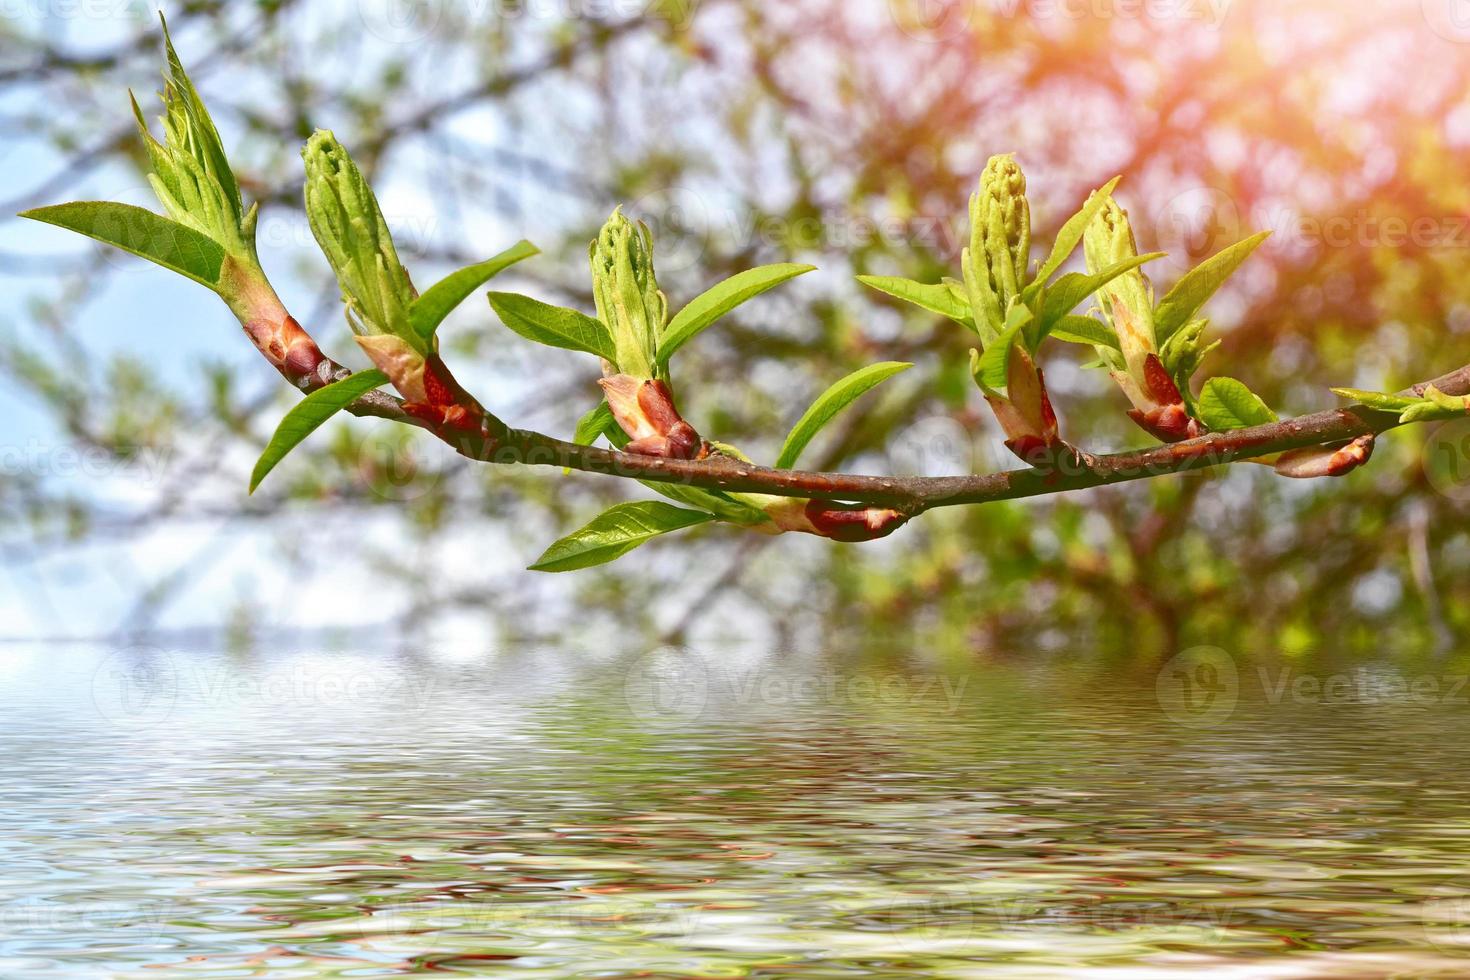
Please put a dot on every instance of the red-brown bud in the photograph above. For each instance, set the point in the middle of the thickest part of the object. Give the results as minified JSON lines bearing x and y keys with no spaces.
{"x":853,"y":522}
{"x":1320,"y":461}
{"x":288,"y":347}
{"x":1171,"y":423}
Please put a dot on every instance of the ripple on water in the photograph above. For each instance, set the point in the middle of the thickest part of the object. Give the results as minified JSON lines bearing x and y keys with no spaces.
{"x":361,"y":815}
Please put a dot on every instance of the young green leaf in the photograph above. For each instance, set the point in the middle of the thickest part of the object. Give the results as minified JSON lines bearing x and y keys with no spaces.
{"x":1085,"y":330}
{"x":203,"y":138}
{"x":591,"y":426}
{"x":1377,"y":400}
{"x":941,"y":298}
{"x":1183,"y":353}
{"x":554,"y":326}
{"x":1228,"y":404}
{"x":720,"y":300}
{"x":721,"y":505}
{"x":829,"y":403}
{"x":1193,"y":291}
{"x":1071,"y":234}
{"x":1436,"y":406}
{"x":1067,"y":292}
{"x":439,"y":300}
{"x":991,"y":368}
{"x":614,"y":533}
{"x":307,"y":415}
{"x":145,"y":234}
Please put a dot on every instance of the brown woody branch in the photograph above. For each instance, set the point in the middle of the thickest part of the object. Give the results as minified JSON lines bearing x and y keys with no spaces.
{"x":495,"y":442}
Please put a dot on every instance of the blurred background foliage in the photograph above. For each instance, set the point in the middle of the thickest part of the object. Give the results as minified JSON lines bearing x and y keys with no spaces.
{"x":845,"y":133}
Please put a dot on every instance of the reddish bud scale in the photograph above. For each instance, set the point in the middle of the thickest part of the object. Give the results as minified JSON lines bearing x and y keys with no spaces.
{"x":1169,"y":419}
{"x":1048,"y":414}
{"x":1026,"y":414}
{"x":645,"y":410}
{"x":1160,"y":385}
{"x":448,"y":406}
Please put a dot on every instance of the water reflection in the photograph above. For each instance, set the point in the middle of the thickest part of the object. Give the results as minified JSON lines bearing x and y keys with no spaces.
{"x":720,"y":813}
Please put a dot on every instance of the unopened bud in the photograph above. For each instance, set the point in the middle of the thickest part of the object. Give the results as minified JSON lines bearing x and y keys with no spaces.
{"x":853,"y":523}
{"x":999,"y":254}
{"x":1128,"y":300}
{"x":625,"y":288}
{"x":1321,"y":461}
{"x":349,"y":226}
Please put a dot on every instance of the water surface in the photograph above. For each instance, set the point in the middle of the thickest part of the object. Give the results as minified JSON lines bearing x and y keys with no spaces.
{"x":711,"y":814}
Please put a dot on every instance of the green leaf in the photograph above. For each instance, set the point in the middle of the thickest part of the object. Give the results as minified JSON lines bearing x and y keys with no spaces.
{"x":1436,"y":406}
{"x":1071,"y":234}
{"x":145,"y":234}
{"x":1183,"y":354}
{"x":1064,"y":295}
{"x":719,"y":504}
{"x":1193,"y":291}
{"x":721,"y":299}
{"x":990,"y":370}
{"x":1228,"y":404}
{"x":829,"y":403}
{"x":591,"y":426}
{"x":614,"y":533}
{"x":1085,"y":330}
{"x":940,"y":298}
{"x":308,"y":415}
{"x":555,"y":326}
{"x":429,"y":310}
{"x":1377,"y":400}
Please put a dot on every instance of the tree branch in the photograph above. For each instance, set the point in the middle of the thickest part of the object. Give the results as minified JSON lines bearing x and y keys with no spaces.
{"x":497,"y":443}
